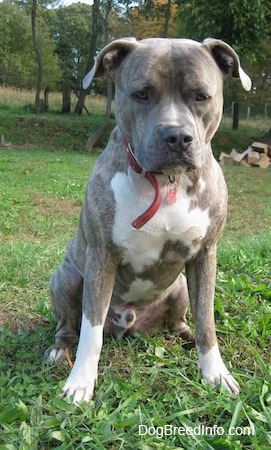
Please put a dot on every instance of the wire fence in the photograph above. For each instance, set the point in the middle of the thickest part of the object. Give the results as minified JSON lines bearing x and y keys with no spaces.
{"x":249,"y":111}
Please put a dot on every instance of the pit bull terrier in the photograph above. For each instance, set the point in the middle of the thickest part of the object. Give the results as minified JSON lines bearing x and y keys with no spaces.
{"x":155,"y":204}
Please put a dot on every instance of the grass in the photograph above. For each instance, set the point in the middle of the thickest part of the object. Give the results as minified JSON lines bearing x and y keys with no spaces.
{"x":142,"y":380}
{"x":49,"y":130}
{"x":148,"y":381}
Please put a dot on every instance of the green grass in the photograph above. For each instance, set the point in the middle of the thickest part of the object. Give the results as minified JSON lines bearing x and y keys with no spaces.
{"x":50,"y":131}
{"x":142,"y":380}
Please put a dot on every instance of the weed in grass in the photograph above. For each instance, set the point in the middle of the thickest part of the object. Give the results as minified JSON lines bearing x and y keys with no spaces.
{"x":147,"y":381}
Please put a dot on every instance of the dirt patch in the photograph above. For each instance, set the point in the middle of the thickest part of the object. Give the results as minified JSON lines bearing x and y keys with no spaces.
{"x":48,"y":205}
{"x":18,"y":322}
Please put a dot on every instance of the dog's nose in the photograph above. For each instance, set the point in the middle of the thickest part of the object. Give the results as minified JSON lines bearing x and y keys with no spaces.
{"x":177,"y":137}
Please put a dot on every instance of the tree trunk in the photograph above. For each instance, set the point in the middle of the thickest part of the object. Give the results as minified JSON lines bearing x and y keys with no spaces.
{"x":94,"y":138}
{"x":104,"y":21}
{"x":80,"y":102}
{"x":235,"y":116}
{"x":92,"y":51}
{"x":66,"y":96}
{"x":38,"y":56}
{"x":167,"y":17}
{"x":46,"y":98}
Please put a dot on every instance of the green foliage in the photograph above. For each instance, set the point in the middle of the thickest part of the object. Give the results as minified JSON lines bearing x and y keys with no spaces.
{"x":16,"y":48}
{"x":66,"y":133}
{"x":244,"y":24}
{"x":64,"y":36}
{"x":17,"y":60}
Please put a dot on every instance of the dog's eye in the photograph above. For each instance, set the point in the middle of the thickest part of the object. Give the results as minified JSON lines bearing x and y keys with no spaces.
{"x":141,"y":95}
{"x":201,"y":97}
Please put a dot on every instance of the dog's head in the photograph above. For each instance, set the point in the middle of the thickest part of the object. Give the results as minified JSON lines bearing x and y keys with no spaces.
{"x":168,"y":96}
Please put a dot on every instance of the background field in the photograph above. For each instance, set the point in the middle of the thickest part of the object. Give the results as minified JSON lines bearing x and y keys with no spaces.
{"x":149,"y":381}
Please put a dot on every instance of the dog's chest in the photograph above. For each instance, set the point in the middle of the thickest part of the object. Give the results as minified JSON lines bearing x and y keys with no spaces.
{"x":174,"y":233}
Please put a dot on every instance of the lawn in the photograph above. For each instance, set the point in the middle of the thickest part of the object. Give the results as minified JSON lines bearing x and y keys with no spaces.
{"x":149,"y":394}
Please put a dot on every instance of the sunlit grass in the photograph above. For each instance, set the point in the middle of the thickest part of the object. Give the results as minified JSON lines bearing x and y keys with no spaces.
{"x":12,"y":98}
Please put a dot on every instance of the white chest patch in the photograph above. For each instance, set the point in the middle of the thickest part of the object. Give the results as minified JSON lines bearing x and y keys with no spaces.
{"x":174,"y":222}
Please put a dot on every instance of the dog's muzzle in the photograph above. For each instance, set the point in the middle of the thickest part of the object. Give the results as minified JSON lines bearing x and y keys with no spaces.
{"x":177,"y":138}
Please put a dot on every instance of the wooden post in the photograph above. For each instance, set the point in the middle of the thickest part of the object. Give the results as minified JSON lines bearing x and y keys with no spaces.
{"x":235,"y":116}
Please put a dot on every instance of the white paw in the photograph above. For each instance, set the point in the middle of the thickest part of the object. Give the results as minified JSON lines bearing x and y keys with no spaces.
{"x":79,"y":386}
{"x":81,"y":381}
{"x":215,"y":372}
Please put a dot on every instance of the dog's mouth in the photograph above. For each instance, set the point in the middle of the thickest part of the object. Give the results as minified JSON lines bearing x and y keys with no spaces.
{"x":172,"y":167}
{"x":163,"y":161}
{"x":178,"y":169}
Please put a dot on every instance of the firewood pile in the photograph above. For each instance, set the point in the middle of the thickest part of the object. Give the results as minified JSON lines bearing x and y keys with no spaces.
{"x":257,"y":154}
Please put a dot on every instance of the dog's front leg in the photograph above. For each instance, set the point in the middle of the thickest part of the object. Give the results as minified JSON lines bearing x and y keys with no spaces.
{"x":201,"y":274}
{"x":98,"y":285}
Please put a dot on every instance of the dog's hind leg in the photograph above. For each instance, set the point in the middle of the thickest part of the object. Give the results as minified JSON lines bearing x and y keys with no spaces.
{"x":66,"y":287}
{"x":177,"y":302}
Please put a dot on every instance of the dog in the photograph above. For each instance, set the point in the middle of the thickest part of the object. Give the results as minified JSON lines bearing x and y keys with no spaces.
{"x":155,"y":204}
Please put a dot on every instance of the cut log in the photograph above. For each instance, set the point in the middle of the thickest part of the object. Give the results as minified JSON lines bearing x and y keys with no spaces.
{"x":245,"y":163}
{"x":247,"y":158}
{"x":264,"y":162}
{"x":237,"y":157}
{"x":224,"y":155}
{"x":260,"y":147}
{"x":253,"y":157}
{"x":225,"y":158}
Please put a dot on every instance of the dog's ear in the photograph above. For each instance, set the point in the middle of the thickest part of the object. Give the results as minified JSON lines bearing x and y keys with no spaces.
{"x":109,"y":58}
{"x":227,"y":60}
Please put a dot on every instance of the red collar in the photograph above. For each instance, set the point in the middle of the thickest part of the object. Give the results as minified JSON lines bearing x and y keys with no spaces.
{"x":150,"y":212}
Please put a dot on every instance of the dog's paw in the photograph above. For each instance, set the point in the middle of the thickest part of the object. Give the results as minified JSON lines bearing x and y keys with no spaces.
{"x":79,"y":386}
{"x":215,"y":372}
{"x":226,"y":380}
{"x":77,"y":392}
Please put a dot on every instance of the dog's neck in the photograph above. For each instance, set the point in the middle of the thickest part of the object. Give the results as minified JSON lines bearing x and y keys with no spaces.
{"x":150,"y":176}
{"x":151,"y":211}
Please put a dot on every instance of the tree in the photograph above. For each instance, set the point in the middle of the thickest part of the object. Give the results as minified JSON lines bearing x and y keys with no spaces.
{"x":244,"y":24}
{"x":38,"y":55}
{"x":17,"y":58}
{"x":95,"y":31}
{"x":16,"y":45}
{"x":150,"y":18}
{"x":70,"y":30}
